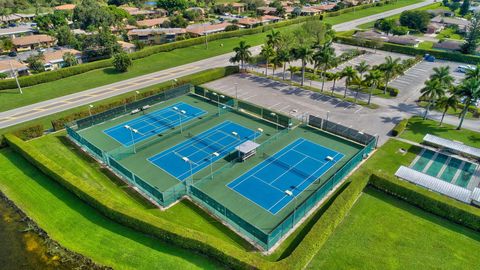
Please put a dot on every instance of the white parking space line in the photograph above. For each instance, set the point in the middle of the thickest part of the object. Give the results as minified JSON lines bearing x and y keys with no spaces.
{"x":361,"y":108}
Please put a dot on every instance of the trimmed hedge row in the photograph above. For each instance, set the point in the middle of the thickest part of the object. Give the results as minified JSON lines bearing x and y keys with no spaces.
{"x":434,"y":203}
{"x":452,"y":56}
{"x":399,"y":128}
{"x":82,"y":68}
{"x":197,"y":78}
{"x":162,"y":229}
{"x":30,"y":132}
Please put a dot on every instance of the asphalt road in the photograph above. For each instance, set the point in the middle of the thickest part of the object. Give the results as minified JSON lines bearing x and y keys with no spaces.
{"x":84,"y":98}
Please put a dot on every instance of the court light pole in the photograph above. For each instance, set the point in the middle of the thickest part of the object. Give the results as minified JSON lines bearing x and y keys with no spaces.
{"x":191,"y":169}
{"x":136,"y":93}
{"x":290,"y":193}
{"x":214,"y":154}
{"x":259,"y":130}
{"x":132,"y":130}
{"x":15,"y":74}
{"x":218,"y":101}
{"x":180,"y":114}
{"x":90,"y":109}
{"x":276,"y":115}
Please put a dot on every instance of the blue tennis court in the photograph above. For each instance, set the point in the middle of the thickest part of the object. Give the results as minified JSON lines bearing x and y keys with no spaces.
{"x":153,"y":123}
{"x":291,"y":170}
{"x":199,"y":151}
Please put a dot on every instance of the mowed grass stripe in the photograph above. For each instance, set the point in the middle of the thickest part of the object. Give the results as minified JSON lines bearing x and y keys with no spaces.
{"x":81,"y":228}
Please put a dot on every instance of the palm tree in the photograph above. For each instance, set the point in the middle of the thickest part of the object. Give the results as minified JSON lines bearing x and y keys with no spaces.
{"x":325,"y":58}
{"x":69,"y":59}
{"x":335,"y":76}
{"x":391,"y":67}
{"x":274,"y":39}
{"x":303,"y":53}
{"x":282,"y":57}
{"x":293,"y":70}
{"x":267,"y":53}
{"x":470,"y":91}
{"x":373,"y":78}
{"x":242,"y":53}
{"x":362,"y":67}
{"x":442,"y":74}
{"x":473,"y":73}
{"x":432,"y":91}
{"x":350,"y":74}
{"x":447,"y":103}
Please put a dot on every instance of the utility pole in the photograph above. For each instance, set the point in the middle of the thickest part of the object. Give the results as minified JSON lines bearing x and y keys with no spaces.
{"x":16,"y":77}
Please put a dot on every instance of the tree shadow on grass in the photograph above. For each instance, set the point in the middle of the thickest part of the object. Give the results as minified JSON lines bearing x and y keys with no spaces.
{"x":412,"y":209}
{"x":111,"y":71}
{"x":90,"y":214}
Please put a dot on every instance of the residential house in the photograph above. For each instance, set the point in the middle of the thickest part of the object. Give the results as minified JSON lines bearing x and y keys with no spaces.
{"x":54,"y":59}
{"x":16,"y":18}
{"x":267,"y":10}
{"x":237,"y":7}
{"x":136,"y":12}
{"x":66,"y":7}
{"x":118,"y":30}
{"x":27,"y":43}
{"x":7,"y":66}
{"x":206,"y":29}
{"x":126,"y":46}
{"x":434,"y":28}
{"x":451,"y":21}
{"x":310,"y":11}
{"x":440,"y":12}
{"x":404,"y":40}
{"x":152,"y":23}
{"x":156,"y":35}
{"x":370,"y":35}
{"x":254,"y":22}
{"x":326,"y":7}
{"x":448,"y":45}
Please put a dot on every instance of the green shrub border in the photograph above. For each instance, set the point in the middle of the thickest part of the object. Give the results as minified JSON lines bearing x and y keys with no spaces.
{"x":399,"y":128}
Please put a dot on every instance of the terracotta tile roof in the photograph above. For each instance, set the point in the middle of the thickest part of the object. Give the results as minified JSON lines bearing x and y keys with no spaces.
{"x":56,"y":56}
{"x":201,"y":29}
{"x":156,"y":31}
{"x":248,"y":21}
{"x":5,"y":65}
{"x":65,"y":7}
{"x":324,"y":7}
{"x":152,"y":22}
{"x":30,"y":40}
{"x":126,"y":45}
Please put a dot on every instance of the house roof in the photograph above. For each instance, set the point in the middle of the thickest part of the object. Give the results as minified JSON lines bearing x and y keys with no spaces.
{"x":450,"y":20}
{"x":448,"y":45}
{"x":126,"y":45}
{"x":21,"y":29}
{"x":136,"y":11}
{"x":5,"y":65}
{"x":156,"y":31}
{"x":403,"y":40}
{"x":57,"y":56}
{"x":30,"y":40}
{"x":267,"y":18}
{"x":324,"y":7}
{"x":152,"y":22}
{"x":249,"y":21}
{"x":65,"y":7}
{"x":201,"y":29}
{"x":369,"y":35}
{"x":267,"y":9}
{"x":125,"y":27}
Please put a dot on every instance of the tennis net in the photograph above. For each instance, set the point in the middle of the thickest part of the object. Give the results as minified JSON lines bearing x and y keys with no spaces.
{"x":286,"y":166}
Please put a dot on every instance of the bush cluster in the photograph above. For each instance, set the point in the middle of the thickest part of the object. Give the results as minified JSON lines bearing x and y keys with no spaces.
{"x":29,"y":132}
{"x":399,"y":128}
{"x":434,"y":203}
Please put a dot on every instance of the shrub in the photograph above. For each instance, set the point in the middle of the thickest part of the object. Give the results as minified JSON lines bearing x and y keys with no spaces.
{"x":434,"y":203}
{"x":30,"y":132}
{"x":400,"y":127}
{"x":121,"y":62}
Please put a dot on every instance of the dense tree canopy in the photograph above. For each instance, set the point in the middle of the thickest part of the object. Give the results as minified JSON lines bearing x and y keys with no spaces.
{"x":415,"y":19}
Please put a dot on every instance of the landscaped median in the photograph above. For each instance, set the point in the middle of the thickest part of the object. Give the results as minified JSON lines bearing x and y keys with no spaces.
{"x":79,"y":78}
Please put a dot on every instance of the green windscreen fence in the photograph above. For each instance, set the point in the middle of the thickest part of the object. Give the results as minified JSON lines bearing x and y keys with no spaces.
{"x":343,"y":131}
{"x":266,"y":114}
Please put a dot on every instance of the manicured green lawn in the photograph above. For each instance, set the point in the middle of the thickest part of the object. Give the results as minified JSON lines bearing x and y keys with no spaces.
{"x":369,"y":11}
{"x":449,"y":33}
{"x":397,"y":16}
{"x":417,"y":128}
{"x":81,"y":228}
{"x":382,"y":232}
{"x":10,"y":99}
{"x":425,"y":45}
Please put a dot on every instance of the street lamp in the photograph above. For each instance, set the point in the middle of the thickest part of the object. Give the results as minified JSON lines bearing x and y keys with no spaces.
{"x":136,"y":93}
{"x":328,"y":114}
{"x":276,"y":115}
{"x":14,"y":73}
{"x":132,"y":130}
{"x":191,"y":170}
{"x":290,"y":193}
{"x":218,"y":100}
{"x":259,"y":130}
{"x":214,"y":154}
{"x":236,"y":90}
{"x":90,"y":109}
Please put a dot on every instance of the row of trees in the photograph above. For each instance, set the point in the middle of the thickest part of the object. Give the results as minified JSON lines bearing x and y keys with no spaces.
{"x":440,"y":92}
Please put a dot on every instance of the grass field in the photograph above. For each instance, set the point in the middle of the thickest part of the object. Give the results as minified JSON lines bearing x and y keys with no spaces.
{"x":81,"y":228}
{"x":396,"y":17}
{"x":449,"y":33}
{"x":10,"y":99}
{"x":382,"y":232}
{"x":425,"y":45}
{"x":417,"y":128}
